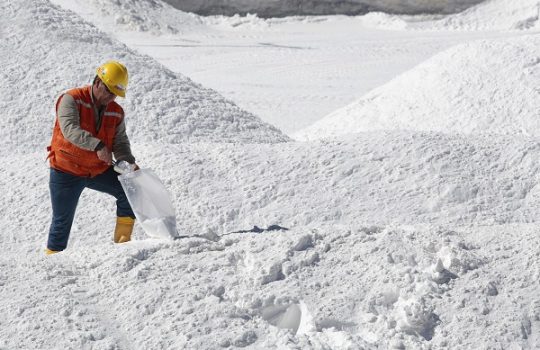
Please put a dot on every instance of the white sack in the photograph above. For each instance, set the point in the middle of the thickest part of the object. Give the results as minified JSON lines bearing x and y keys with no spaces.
{"x":150,"y":202}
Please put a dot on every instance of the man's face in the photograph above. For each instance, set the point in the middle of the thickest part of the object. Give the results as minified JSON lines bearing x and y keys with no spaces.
{"x":102,"y":94}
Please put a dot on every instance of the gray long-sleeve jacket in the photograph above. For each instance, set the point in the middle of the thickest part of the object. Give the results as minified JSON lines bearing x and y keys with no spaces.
{"x":69,"y":121}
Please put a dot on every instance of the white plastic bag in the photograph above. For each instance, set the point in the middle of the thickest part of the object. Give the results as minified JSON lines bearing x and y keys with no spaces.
{"x":150,"y":202}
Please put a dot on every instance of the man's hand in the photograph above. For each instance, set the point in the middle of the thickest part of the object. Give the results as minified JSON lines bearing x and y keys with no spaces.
{"x":105,"y":155}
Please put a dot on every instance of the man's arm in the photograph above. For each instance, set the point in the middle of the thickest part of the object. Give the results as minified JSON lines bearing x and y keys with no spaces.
{"x":121,"y":145}
{"x":70,"y":125}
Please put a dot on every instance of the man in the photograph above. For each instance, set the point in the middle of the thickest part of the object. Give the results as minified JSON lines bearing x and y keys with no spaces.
{"x":89,"y":129}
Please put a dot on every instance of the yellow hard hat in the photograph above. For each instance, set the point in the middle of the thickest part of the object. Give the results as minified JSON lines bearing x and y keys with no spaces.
{"x":115,"y":76}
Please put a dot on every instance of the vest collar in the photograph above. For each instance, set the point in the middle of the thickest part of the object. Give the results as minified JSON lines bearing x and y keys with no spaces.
{"x":92,"y":94}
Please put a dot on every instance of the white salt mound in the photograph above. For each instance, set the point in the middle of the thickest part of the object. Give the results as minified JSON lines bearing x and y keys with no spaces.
{"x":487,"y":86}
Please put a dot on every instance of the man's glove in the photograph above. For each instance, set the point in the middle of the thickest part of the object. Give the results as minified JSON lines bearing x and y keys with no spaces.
{"x":105,"y":155}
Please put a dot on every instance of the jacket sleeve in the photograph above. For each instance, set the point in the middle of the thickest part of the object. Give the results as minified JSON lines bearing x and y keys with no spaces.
{"x":70,"y":125}
{"x":121,"y":145}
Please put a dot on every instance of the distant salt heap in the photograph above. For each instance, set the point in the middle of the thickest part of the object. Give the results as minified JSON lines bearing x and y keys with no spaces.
{"x":484,"y":86}
{"x":495,"y":15}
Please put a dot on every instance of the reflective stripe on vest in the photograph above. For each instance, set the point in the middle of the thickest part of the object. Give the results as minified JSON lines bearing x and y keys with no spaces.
{"x":84,"y":104}
{"x":114,"y":114}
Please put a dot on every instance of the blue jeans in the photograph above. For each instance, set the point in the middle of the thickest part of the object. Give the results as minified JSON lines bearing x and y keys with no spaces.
{"x":65,"y":192}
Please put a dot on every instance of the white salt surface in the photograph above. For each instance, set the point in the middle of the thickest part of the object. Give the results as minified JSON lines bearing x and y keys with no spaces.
{"x":398,"y":239}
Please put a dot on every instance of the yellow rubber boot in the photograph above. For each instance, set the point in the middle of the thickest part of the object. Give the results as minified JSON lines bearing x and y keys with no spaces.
{"x":123,"y":230}
{"x":49,"y":252}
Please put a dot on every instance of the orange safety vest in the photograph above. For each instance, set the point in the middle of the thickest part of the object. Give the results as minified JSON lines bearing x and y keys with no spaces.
{"x":69,"y":158}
